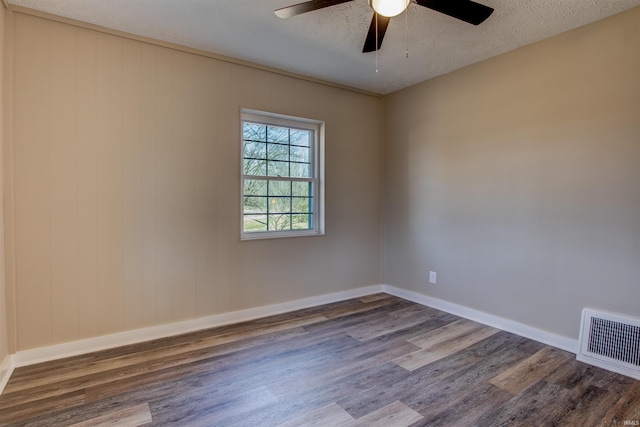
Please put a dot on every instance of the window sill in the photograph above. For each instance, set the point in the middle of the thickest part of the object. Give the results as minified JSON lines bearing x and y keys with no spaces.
{"x":258,"y":235}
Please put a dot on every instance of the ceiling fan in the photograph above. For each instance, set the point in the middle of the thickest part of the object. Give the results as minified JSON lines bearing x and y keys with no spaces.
{"x":464,"y":10}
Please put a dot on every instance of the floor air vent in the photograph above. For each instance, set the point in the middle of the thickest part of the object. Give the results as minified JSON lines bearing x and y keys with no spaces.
{"x":610,"y":341}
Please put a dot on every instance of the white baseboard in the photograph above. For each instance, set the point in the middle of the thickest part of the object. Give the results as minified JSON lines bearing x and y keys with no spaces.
{"x":6,"y":369}
{"x":89,"y":345}
{"x":545,"y":337}
{"x":74,"y":348}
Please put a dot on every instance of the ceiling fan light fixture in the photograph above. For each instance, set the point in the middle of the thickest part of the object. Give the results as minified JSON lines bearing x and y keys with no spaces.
{"x":389,"y":8}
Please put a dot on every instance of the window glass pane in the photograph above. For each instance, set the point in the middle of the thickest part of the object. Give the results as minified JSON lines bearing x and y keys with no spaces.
{"x":277,"y":134}
{"x":279,"y":222}
{"x":277,"y":152}
{"x":303,"y":189}
{"x":280,"y":188}
{"x":300,"y":204}
{"x":280,"y":205}
{"x":300,"y":137}
{"x":254,"y":205}
{"x":278,"y":168}
{"x":300,"y":154}
{"x":253,"y":223}
{"x":255,"y":167}
{"x":254,"y":132}
{"x":301,"y":222}
{"x":300,"y":170}
{"x":255,"y":150}
{"x":255,"y":187}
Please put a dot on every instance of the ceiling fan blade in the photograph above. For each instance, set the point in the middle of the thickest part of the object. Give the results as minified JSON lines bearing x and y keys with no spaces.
{"x":370,"y":41}
{"x":297,"y":9}
{"x":465,"y":10}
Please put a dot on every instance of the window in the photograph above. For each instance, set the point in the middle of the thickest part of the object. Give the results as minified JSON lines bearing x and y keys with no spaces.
{"x":282,"y":188}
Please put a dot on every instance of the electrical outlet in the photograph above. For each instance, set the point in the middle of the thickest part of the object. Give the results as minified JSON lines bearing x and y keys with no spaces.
{"x":432,"y":277}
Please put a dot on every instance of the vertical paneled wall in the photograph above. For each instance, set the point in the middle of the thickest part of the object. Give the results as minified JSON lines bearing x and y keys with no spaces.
{"x":124,"y":183}
{"x":4,"y":336}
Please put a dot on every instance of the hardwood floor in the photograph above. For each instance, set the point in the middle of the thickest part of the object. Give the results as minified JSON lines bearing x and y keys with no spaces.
{"x":372,"y":361}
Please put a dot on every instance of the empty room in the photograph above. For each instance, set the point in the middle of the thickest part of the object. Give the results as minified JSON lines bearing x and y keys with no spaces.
{"x":325,"y":213}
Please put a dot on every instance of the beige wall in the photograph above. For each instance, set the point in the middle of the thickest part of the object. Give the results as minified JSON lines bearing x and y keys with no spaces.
{"x":4,"y":336}
{"x":125,"y":177}
{"x":518,"y":181}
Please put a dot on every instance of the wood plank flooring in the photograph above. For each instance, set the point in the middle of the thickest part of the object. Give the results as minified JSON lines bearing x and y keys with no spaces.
{"x":372,"y":361}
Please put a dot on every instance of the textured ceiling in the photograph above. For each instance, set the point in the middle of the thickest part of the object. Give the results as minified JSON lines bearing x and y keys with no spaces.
{"x":327,"y":44}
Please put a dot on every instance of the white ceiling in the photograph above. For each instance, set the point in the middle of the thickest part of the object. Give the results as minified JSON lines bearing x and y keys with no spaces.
{"x":327,"y":44}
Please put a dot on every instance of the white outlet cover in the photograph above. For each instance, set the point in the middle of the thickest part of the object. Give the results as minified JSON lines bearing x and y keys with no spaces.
{"x":432,"y":277}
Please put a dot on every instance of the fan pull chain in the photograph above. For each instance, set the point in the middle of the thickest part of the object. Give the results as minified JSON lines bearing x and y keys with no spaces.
{"x":376,"y":14}
{"x":406,"y":14}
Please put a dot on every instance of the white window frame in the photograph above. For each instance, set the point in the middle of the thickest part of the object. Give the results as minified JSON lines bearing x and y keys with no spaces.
{"x":317,"y":171}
